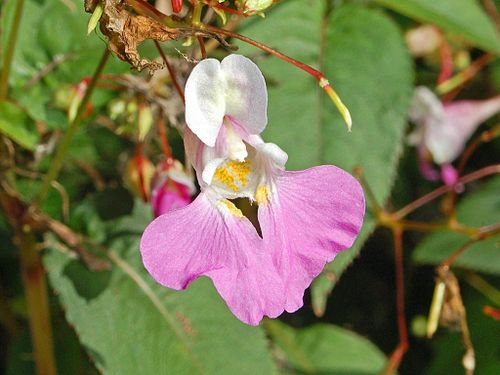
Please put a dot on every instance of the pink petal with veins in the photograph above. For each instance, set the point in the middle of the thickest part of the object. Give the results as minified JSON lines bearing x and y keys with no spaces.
{"x":207,"y":238}
{"x":311,"y":216}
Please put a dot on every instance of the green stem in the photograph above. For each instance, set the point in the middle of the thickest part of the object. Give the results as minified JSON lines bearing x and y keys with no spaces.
{"x":37,"y":300}
{"x":484,"y":287}
{"x":60,"y":156}
{"x":11,"y":47}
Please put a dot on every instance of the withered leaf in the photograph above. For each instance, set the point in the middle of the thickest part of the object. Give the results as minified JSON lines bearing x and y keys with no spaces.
{"x":125,"y":31}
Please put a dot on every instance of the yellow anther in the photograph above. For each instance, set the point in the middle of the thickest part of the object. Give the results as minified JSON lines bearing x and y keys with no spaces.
{"x":223,"y":175}
{"x":232,"y":208}
{"x":262,"y":195}
{"x":241,"y":169}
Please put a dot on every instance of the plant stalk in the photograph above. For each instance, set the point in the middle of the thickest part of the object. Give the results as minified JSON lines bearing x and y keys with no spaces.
{"x":11,"y":47}
{"x":35,"y":287}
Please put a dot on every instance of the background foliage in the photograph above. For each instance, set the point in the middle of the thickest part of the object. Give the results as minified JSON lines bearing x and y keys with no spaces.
{"x":116,"y":320}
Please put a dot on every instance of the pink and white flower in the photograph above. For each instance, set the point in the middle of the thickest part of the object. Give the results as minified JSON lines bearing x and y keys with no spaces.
{"x":444,"y":129}
{"x":306,"y":217}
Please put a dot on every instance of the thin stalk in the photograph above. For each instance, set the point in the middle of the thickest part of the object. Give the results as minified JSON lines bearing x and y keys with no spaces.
{"x":62,"y":150}
{"x":38,"y":307}
{"x":397,"y":355}
{"x":162,"y":130}
{"x":171,"y":71}
{"x":460,"y":79}
{"x":322,"y":81}
{"x":483,"y":172}
{"x":11,"y":47}
{"x":482,"y":286}
{"x":203,"y":50}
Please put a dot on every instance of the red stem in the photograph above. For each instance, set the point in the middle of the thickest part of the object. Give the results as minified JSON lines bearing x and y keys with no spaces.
{"x":396,"y":356}
{"x":446,"y":58}
{"x":171,"y":71}
{"x":409,"y":208}
{"x":162,"y":130}
{"x":202,"y":46}
{"x":315,"y":73}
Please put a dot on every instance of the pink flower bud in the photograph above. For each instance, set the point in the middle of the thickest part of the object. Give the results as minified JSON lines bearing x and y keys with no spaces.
{"x":172,"y":188}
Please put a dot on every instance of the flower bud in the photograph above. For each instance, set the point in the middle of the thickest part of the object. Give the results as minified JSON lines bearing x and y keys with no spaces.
{"x":172,"y":188}
{"x":423,"y":40}
{"x":256,"y":6}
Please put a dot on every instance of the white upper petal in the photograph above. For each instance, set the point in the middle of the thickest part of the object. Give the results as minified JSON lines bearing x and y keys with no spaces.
{"x":246,"y":93}
{"x":205,"y":100}
{"x":235,"y":88}
{"x":425,"y":107}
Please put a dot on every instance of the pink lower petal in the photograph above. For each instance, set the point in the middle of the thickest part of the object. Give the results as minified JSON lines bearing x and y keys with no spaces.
{"x":204,"y":239}
{"x":312,"y":216}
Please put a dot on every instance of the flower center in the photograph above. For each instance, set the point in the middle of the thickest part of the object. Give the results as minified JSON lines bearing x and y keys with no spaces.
{"x":233,"y":174}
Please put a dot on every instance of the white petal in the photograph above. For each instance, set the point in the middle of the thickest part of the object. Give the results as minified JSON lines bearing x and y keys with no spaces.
{"x":246,"y":93}
{"x":210,"y":168}
{"x":205,"y":100}
{"x":273,"y":152}
{"x":425,"y":107}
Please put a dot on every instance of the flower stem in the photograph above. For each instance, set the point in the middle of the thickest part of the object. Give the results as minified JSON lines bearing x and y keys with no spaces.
{"x":56,"y":164}
{"x":11,"y":47}
{"x":37,"y":300}
{"x":322,"y":81}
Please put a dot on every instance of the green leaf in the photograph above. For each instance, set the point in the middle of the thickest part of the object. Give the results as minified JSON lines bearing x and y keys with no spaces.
{"x":374,"y":83}
{"x":481,"y":208}
{"x":462,"y":17}
{"x":130,"y":325}
{"x":325,"y":349}
{"x":46,"y":58}
{"x":16,"y":124}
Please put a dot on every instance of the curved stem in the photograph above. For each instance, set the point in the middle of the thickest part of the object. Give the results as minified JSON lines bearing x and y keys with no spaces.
{"x":63,"y":148}
{"x":11,"y":47}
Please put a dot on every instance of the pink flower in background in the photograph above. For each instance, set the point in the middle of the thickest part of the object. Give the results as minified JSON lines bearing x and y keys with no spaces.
{"x":444,"y":129}
{"x":172,"y":188}
{"x":306,"y":217}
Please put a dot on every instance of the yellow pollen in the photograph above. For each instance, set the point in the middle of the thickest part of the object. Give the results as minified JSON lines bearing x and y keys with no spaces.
{"x":232,"y":208}
{"x":223,"y":175}
{"x":241,"y":169}
{"x":262,"y":195}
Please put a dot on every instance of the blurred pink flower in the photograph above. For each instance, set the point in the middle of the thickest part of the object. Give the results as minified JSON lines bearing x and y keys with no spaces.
{"x":306,"y":217}
{"x":444,"y":129}
{"x":172,"y":188}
